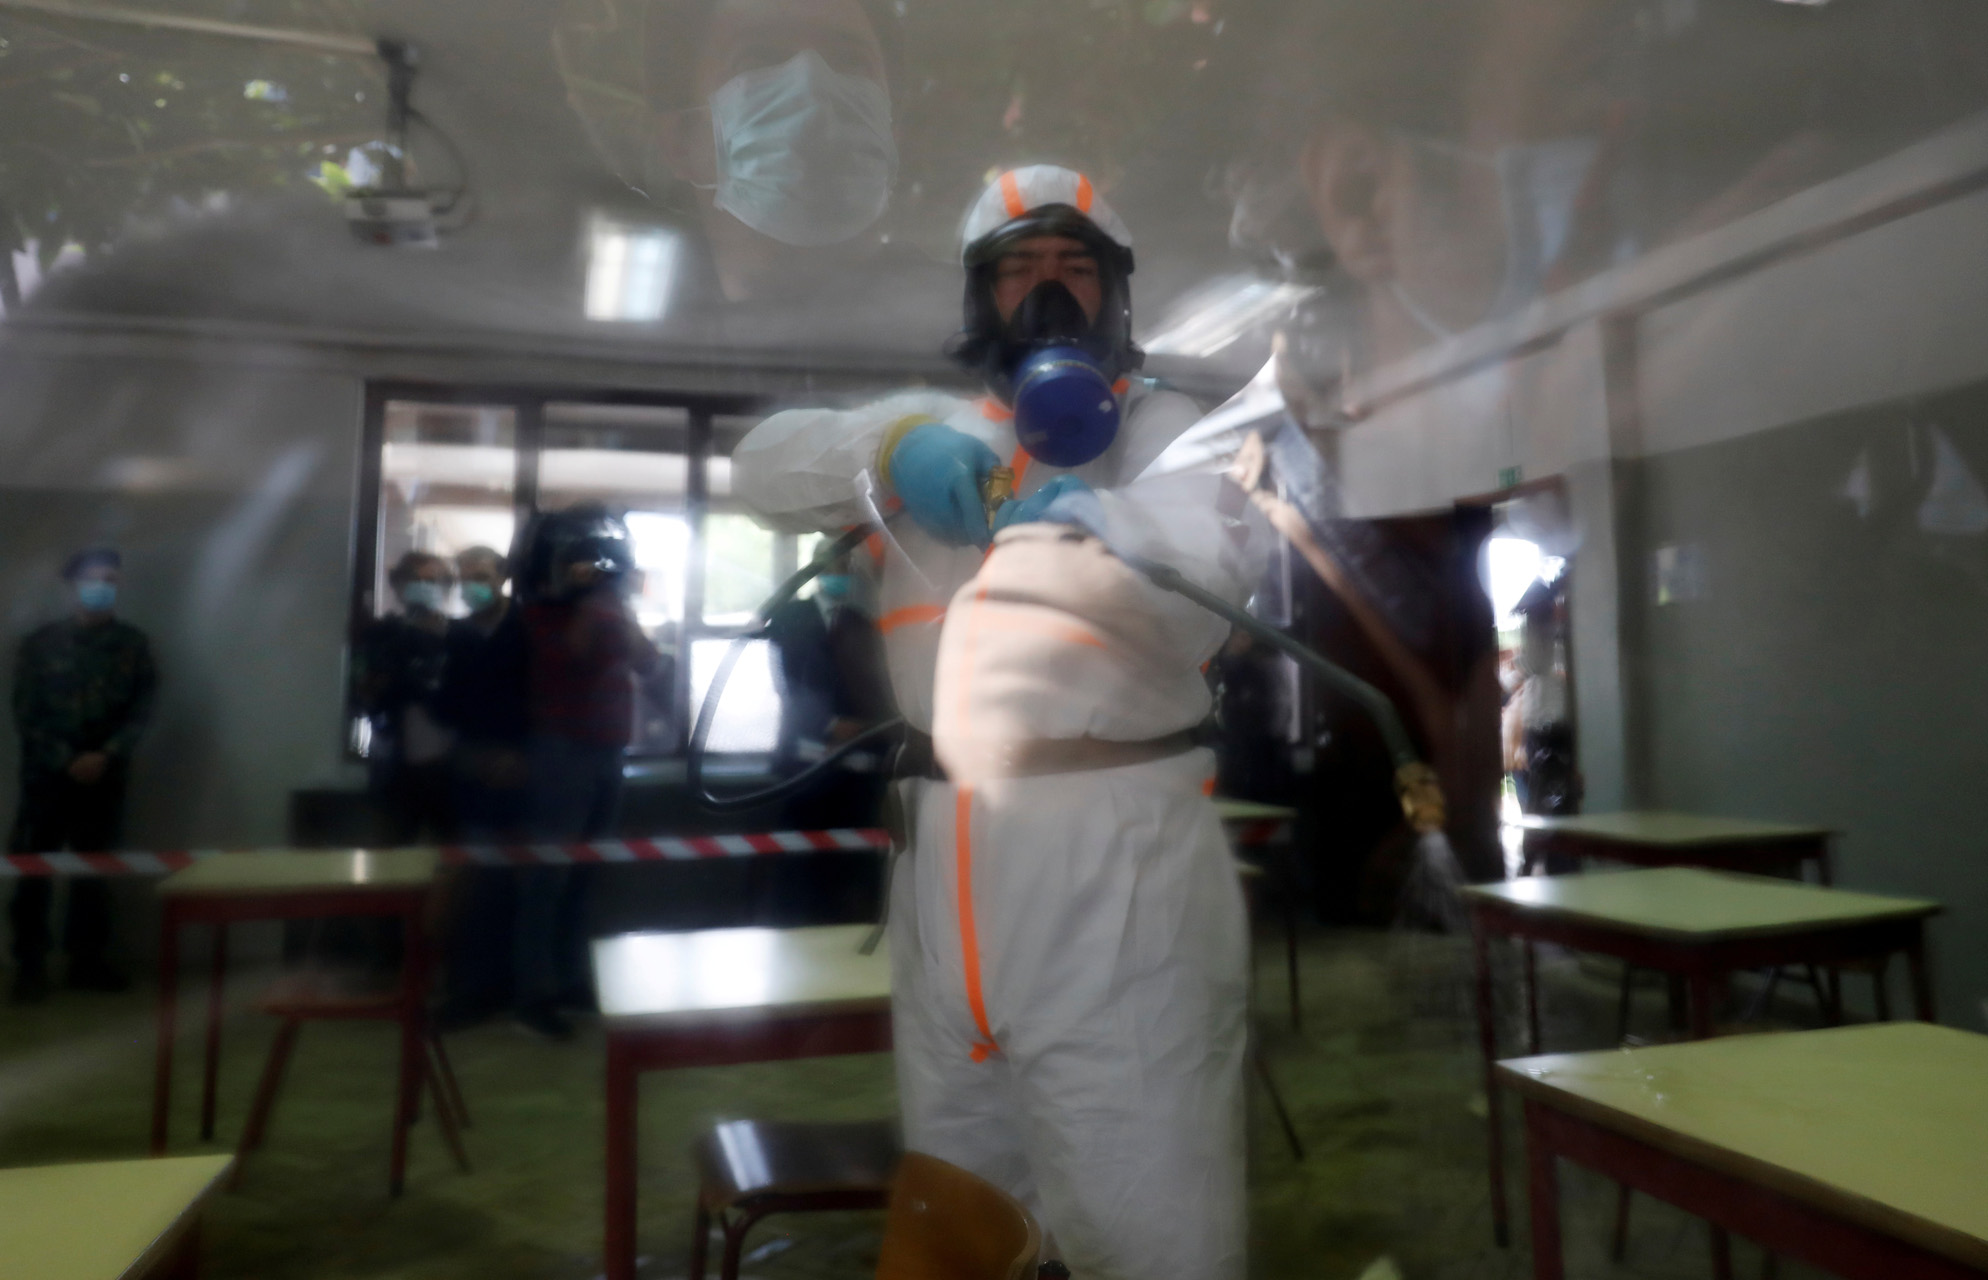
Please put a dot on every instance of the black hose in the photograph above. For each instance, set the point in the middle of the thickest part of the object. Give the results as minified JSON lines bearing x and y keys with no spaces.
{"x":707,"y":711}
{"x":1376,"y":703}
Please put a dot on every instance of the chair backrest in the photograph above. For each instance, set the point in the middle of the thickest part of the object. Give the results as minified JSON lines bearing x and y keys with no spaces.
{"x":946,"y":1224}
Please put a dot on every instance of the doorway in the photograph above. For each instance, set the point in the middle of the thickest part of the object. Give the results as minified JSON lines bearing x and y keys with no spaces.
{"x":1525,"y":574}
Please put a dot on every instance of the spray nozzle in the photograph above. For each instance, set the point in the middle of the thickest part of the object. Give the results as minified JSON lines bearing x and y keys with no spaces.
{"x":1421,"y":797}
{"x":997,"y":490}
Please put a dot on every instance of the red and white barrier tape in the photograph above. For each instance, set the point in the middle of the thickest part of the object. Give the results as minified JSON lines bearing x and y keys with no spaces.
{"x":659,"y":849}
{"x":1245,"y":833}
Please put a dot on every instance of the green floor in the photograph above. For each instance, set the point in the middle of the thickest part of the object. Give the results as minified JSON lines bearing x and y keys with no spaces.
{"x":1382,"y":1084}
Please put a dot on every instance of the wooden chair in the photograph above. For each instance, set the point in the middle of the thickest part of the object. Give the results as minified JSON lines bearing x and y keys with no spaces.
{"x":750,"y":1169}
{"x":314,"y":995}
{"x":944,"y":1222}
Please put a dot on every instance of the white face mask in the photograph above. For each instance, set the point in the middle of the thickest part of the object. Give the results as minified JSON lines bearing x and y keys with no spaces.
{"x":423,"y":595}
{"x":805,"y":153}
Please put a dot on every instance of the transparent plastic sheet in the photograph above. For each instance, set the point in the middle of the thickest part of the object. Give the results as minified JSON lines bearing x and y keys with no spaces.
{"x":200,"y":364}
{"x":1430,"y":927}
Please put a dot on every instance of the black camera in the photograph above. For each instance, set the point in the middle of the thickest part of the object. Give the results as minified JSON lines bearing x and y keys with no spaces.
{"x":567,"y":553}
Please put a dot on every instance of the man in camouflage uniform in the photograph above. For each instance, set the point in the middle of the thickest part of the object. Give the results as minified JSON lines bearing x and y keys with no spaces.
{"x":82,"y":690}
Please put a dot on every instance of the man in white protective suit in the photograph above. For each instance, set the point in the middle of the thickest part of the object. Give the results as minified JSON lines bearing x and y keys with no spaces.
{"x":1067,"y":935}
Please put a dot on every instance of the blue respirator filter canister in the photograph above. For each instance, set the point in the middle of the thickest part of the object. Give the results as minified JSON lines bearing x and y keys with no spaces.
{"x":1066,"y":412}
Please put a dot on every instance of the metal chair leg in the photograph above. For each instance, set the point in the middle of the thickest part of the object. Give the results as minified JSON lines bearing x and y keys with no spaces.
{"x":1531,"y":953}
{"x":445,"y":1116}
{"x":1881,"y":987}
{"x":265,"y":1095}
{"x":449,"y":1079}
{"x":1756,"y":1009}
{"x":700,"y":1240}
{"x":735,"y":1235}
{"x":211,"y":1073}
{"x":1618,"y":1241}
{"x":407,"y":1098}
{"x":1262,"y":1065}
{"x":1828,"y":994}
{"x":1290,"y":878}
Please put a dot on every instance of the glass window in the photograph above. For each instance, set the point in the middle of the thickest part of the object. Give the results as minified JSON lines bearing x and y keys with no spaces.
{"x":743,"y":563}
{"x":448,"y":482}
{"x":457,"y":474}
{"x":740,"y":567}
{"x":633,"y":459}
{"x":749,"y":717}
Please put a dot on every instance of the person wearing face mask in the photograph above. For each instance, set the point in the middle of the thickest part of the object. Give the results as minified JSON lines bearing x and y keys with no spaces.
{"x":828,"y":659}
{"x":586,"y":651}
{"x":776,"y":115}
{"x":483,"y":701}
{"x":1539,"y":740}
{"x":83,"y":691}
{"x":397,"y":670}
{"x":1060,"y":936}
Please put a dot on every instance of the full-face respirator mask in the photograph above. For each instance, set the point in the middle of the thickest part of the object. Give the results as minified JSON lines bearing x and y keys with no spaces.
{"x":1056,"y":367}
{"x":568,"y":553}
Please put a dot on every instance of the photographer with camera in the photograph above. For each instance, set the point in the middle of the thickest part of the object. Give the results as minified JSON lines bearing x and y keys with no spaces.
{"x":584,"y":652}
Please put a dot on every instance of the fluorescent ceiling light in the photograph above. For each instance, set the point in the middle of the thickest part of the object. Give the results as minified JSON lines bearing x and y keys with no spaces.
{"x":631,"y":270}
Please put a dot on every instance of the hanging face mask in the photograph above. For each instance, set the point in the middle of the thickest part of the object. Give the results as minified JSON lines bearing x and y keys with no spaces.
{"x":805,"y":152}
{"x":97,"y":597}
{"x":423,"y":595}
{"x":834,"y":587}
{"x":1066,"y":411}
{"x":1539,"y":191}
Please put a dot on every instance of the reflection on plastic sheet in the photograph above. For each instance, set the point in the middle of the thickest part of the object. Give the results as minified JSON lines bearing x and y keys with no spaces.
{"x":1955,"y":505}
{"x":1680,"y":573}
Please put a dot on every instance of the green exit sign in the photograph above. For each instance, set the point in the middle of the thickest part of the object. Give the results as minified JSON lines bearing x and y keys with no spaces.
{"x":1509,"y":477}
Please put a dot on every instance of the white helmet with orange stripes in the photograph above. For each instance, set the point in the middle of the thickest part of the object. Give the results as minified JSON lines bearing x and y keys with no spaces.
{"x":1014,"y":195}
{"x":1023,"y":204}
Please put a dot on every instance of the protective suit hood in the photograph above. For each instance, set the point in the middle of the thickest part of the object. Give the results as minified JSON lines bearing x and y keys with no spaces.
{"x":1043,"y":200}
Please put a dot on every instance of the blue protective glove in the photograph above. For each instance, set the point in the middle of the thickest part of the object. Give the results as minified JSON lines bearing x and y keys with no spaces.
{"x":937,"y":472}
{"x":1064,"y":500}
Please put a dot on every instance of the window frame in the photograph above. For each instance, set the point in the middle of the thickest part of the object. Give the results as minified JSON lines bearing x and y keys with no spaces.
{"x":528,"y":404}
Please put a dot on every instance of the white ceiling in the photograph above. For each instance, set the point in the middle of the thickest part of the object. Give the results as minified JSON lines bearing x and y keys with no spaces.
{"x":1166,"y":101}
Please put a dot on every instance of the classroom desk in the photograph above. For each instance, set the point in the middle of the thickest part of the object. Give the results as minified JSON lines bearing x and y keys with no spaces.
{"x":290,"y":885}
{"x":1860,"y":1150}
{"x":719,"y":997}
{"x":1694,"y":924}
{"x":115,"y":1220}
{"x":1661,"y":839}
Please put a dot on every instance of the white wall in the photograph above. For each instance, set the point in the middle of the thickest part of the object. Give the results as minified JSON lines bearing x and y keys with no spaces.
{"x":224,"y":462}
{"x":230,"y":490}
{"x":1829,"y":671}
